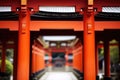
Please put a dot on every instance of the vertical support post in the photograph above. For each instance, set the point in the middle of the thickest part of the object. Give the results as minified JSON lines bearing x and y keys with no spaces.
{"x":33,"y":60}
{"x":107,"y":60}
{"x":15,"y":60}
{"x":66,"y":58}
{"x":81,"y":57}
{"x":3,"y":57}
{"x":97,"y":60}
{"x":89,"y":45}
{"x":50,"y":61}
{"x":23,"y":44}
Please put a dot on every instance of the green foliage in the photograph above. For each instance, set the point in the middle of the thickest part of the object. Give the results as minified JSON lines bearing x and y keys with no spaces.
{"x":101,"y":52}
{"x":9,"y":67}
{"x":114,"y":54}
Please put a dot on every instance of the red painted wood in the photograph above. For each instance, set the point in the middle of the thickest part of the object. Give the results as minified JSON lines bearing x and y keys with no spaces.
{"x":23,"y":46}
{"x":89,"y":46}
{"x":77,"y":59}
{"x":38,"y":57}
{"x":33,"y":61}
{"x":107,"y":58}
{"x":102,"y":45}
{"x":76,"y":25}
{"x":66,"y":59}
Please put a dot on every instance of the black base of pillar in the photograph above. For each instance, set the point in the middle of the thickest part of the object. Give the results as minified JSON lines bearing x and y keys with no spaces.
{"x":107,"y":78}
{"x":97,"y":77}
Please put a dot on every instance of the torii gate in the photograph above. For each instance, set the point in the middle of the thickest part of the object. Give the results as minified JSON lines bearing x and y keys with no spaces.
{"x":87,"y":9}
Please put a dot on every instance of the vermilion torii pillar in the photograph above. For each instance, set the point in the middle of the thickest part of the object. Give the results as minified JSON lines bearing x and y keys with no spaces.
{"x":23,"y":44}
{"x":107,"y":60}
{"x":89,"y":44}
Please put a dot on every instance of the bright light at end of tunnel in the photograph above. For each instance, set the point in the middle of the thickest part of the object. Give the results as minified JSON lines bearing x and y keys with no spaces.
{"x":58,"y":38}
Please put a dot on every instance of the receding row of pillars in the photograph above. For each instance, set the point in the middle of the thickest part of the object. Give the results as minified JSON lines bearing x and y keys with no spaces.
{"x":107,"y":64}
{"x":38,"y":63}
{"x":106,"y":55}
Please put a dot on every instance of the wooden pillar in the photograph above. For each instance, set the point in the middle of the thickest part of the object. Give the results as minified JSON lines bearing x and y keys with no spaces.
{"x":107,"y":60}
{"x":66,"y":58}
{"x":96,"y":60}
{"x":15,"y":60}
{"x":3,"y":65}
{"x":66,"y":61}
{"x":50,"y":59}
{"x":33,"y":60}
{"x":39,"y":61}
{"x":23,"y":44}
{"x":89,"y":45}
{"x":74,"y":59}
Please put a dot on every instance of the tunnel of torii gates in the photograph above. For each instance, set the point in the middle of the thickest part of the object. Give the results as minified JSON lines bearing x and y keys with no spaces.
{"x":25,"y":23}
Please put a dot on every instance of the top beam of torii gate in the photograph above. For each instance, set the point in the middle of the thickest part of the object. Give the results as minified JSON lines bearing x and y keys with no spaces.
{"x":78,"y":3}
{"x":76,"y":25}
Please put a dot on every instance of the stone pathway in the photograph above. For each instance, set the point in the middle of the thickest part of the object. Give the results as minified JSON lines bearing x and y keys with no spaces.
{"x":58,"y":76}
